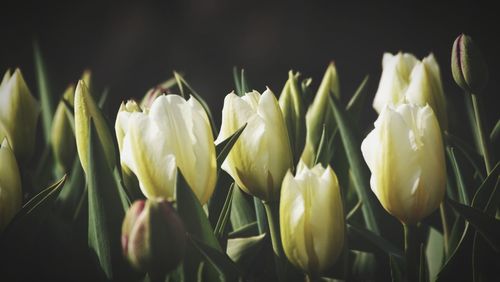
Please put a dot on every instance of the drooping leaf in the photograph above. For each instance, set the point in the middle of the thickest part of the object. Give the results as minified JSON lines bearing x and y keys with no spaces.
{"x":485,"y":224}
{"x":352,"y":147}
{"x":226,"y":268}
{"x":44,"y":90}
{"x":224,"y":147}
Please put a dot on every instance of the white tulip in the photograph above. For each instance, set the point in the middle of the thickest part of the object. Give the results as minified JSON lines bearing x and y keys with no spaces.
{"x":312,"y":218}
{"x":173,"y":133}
{"x":262,"y":155}
{"x":406,"y":158}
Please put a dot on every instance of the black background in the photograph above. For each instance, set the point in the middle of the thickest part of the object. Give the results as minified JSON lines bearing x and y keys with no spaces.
{"x":131,"y":46}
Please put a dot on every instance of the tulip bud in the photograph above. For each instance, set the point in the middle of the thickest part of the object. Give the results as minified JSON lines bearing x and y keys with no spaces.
{"x":293,"y":112}
{"x":153,"y":236}
{"x":312,"y":218}
{"x":319,"y":114}
{"x":10,"y":185}
{"x":405,"y":79}
{"x":406,"y":158}
{"x":18,"y":114}
{"x":262,"y":155}
{"x":468,"y":66}
{"x":62,"y":137}
{"x":173,"y":133}
{"x":86,"y":108}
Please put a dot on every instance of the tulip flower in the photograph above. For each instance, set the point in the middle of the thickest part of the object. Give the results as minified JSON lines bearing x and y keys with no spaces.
{"x":10,"y":185}
{"x":19,"y":113}
{"x":262,"y":154}
{"x":173,"y":133}
{"x":468,"y":66}
{"x":405,"y":79}
{"x":319,"y":114}
{"x":406,"y":158}
{"x":312,"y":218}
{"x":62,"y":137}
{"x":86,"y":108}
{"x":153,"y":236}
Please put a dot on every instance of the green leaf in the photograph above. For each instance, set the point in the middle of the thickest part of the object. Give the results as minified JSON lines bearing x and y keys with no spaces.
{"x":487,"y":194}
{"x":242,"y":211}
{"x":355,"y":104}
{"x":485,"y":224}
{"x":470,"y":153}
{"x":353,"y":152}
{"x":224,"y":147}
{"x":365,"y":240}
{"x":105,"y":210}
{"x":244,"y":251}
{"x":226,"y":268}
{"x":464,"y":197}
{"x":495,"y":132}
{"x":260,"y":215}
{"x":249,"y":230}
{"x":434,"y":252}
{"x":181,"y":82}
{"x":44,"y":90}
{"x":225,"y":214}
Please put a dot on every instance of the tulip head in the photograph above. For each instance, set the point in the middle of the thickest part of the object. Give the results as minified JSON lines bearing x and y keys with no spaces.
{"x":173,"y":133}
{"x":10,"y":185}
{"x":406,"y":158}
{"x":262,"y":155}
{"x":62,"y":137}
{"x":19,"y":113}
{"x":292,"y":106}
{"x":86,"y":108}
{"x":312,"y":218}
{"x":153,"y":236}
{"x":319,"y":114}
{"x":405,"y":79}
{"x":468,"y":66}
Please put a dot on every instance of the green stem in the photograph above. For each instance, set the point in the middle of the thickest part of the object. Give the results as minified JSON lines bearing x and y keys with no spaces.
{"x":411,"y":252}
{"x":480,"y":133}
{"x":444,"y":222}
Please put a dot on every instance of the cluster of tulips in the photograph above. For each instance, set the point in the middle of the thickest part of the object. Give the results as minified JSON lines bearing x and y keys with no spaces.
{"x":170,"y":196}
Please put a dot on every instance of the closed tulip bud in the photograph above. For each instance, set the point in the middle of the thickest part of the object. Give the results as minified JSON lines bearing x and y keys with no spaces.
{"x":10,"y":185}
{"x":312,"y":218}
{"x":19,"y":113}
{"x":292,"y":106}
{"x":153,"y":236}
{"x":319,"y":114}
{"x":86,"y":108}
{"x":405,"y":79}
{"x":468,"y":66}
{"x":406,"y":158}
{"x":62,"y":137}
{"x":262,"y":155}
{"x":173,"y":133}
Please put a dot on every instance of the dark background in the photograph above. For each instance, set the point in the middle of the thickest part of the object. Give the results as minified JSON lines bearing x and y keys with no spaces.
{"x":132,"y":46}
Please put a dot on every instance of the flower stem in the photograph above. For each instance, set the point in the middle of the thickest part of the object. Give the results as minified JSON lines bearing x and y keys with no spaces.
{"x":480,"y":133}
{"x":411,"y":252}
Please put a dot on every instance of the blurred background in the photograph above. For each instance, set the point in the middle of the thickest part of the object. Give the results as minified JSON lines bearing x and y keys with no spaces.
{"x":132,"y":46}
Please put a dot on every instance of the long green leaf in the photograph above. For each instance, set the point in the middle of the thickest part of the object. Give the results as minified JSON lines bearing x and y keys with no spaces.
{"x":464,"y":196}
{"x":105,"y":210}
{"x":45,"y":91}
{"x":485,"y":224}
{"x":226,"y":268}
{"x":353,"y":152}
